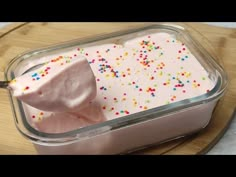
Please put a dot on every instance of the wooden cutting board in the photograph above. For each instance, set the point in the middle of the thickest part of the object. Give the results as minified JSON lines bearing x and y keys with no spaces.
{"x":20,"y":37}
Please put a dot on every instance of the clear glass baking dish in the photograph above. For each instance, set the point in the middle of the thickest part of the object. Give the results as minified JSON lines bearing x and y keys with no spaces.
{"x":130,"y":132}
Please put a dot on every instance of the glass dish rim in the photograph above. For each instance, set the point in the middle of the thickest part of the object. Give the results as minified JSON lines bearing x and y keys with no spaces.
{"x":103,"y":127}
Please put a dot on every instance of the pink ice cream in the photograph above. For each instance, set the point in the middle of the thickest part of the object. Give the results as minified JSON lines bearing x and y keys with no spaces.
{"x":139,"y":74}
{"x":57,"y":86}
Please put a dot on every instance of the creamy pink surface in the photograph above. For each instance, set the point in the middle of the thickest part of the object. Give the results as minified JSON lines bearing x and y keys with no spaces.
{"x":57,"y":86}
{"x":137,"y":75}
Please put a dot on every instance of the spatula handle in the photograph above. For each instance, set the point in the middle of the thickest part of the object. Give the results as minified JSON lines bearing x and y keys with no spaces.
{"x":4,"y":84}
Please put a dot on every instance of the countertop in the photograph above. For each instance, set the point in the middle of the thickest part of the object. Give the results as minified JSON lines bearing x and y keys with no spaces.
{"x":227,"y":144}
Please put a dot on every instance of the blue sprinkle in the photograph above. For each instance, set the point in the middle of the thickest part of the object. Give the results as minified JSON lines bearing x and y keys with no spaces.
{"x":34,"y":75}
